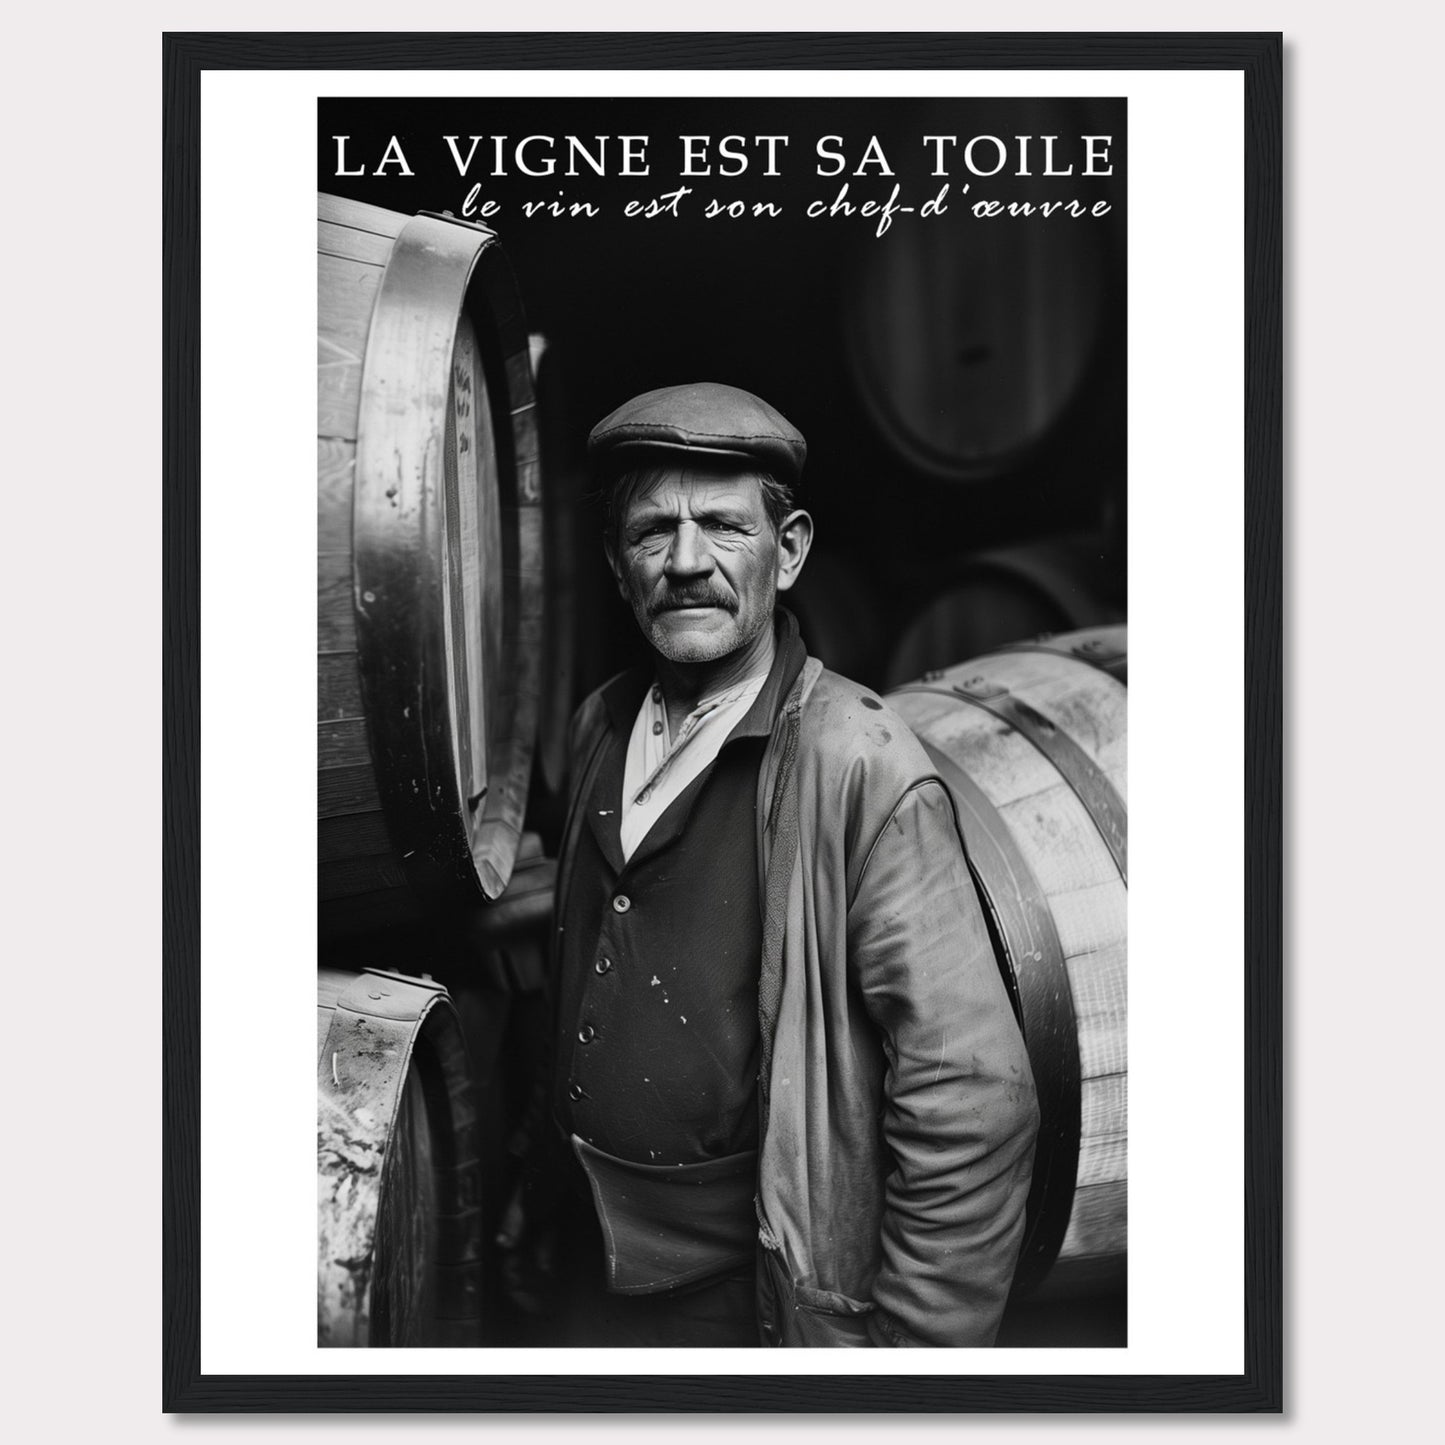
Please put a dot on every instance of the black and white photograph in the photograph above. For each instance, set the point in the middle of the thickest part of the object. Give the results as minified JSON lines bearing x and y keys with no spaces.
{"x":722,"y":722}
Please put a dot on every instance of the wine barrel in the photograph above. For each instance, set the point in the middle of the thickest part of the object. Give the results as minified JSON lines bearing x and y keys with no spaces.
{"x":429,"y":564}
{"x":971,"y":346}
{"x":1031,"y":742}
{"x":1055,"y":584}
{"x":398,"y":1177}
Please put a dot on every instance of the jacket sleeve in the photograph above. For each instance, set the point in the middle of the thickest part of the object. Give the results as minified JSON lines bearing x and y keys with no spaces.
{"x":959,"y":1108}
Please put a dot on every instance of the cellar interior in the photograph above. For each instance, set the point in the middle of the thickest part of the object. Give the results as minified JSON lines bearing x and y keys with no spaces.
{"x":961,"y":382}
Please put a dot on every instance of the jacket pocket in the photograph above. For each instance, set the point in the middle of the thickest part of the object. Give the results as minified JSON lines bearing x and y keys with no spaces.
{"x":797,"y":1316}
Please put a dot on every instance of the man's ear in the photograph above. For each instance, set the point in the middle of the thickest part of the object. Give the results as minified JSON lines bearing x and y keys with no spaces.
{"x":795,"y":537}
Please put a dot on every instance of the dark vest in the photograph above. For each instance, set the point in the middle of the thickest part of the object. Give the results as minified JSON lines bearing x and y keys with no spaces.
{"x":658,"y":1026}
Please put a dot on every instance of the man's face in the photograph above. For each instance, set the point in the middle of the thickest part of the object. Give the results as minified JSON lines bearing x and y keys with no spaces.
{"x":698,"y":562}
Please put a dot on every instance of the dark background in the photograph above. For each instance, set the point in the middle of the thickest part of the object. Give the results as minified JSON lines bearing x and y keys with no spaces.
{"x":960,"y":382}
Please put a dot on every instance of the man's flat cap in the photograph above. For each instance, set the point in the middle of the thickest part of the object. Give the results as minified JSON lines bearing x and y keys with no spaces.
{"x":704,"y":418}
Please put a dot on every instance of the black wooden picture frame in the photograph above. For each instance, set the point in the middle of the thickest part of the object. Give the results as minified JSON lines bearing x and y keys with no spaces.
{"x":1258,"y":56}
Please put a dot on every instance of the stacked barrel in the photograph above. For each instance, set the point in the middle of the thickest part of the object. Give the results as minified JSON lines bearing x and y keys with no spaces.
{"x":1031,"y":741}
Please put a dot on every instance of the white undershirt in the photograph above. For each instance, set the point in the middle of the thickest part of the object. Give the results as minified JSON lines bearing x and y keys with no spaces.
{"x":659,"y":767}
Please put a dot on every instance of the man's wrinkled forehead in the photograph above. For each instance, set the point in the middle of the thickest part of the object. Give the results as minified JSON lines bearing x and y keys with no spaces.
{"x":693,"y":491}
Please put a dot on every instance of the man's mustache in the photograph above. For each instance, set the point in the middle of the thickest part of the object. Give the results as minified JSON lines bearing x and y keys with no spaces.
{"x":674,"y":599}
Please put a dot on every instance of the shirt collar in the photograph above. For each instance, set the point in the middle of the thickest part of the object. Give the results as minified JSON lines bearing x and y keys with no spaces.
{"x":623,"y":695}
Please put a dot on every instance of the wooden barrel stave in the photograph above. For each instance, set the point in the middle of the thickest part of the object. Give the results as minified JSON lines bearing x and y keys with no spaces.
{"x":350,"y":265}
{"x":341,"y":790}
{"x":335,"y":482}
{"x":1092,"y":1254}
{"x":1067,"y":859}
{"x":349,"y":835}
{"x":1103,"y":1160}
{"x":338,"y":689}
{"x":402,"y":1280}
{"x":1091,"y":919}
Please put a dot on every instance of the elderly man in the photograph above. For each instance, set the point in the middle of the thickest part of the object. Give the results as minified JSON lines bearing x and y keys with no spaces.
{"x":786,"y":1065}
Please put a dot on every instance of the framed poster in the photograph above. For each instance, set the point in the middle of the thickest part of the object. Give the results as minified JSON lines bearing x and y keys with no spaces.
{"x":874,"y":227}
